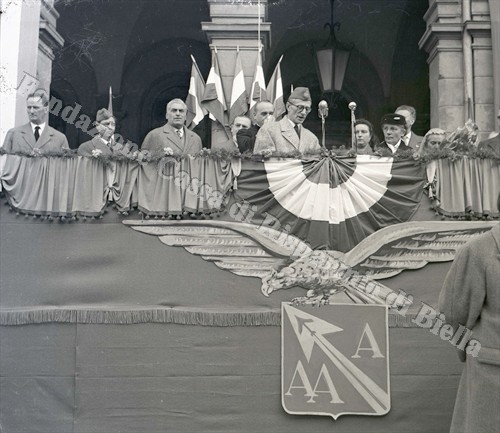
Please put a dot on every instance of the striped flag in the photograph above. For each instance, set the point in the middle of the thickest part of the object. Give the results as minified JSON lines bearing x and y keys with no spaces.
{"x":110,"y":101}
{"x":213,"y":97}
{"x":332,"y":211}
{"x":275,"y":92}
{"x":258,"y":92}
{"x":239,"y":105}
{"x":196,"y":112}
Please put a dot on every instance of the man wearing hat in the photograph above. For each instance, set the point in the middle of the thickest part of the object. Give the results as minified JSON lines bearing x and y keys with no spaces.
{"x":36,"y":136}
{"x":394,"y":128}
{"x":104,"y":141}
{"x":173,"y":135}
{"x":288,"y":135}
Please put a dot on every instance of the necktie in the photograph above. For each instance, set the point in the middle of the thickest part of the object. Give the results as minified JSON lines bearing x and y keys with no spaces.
{"x":37,"y":133}
{"x":179,"y":132}
{"x":296,"y":127}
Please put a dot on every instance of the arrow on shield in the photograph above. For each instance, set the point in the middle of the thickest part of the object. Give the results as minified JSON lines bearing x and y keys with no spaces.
{"x":311,"y":330}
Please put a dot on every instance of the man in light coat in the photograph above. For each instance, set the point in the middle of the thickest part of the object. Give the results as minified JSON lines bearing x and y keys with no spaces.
{"x":35,"y":137}
{"x":173,"y":135}
{"x":288,"y":135}
{"x":471,"y":297}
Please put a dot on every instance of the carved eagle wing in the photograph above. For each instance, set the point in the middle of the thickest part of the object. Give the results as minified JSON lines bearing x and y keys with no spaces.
{"x":243,"y":249}
{"x":411,"y":245}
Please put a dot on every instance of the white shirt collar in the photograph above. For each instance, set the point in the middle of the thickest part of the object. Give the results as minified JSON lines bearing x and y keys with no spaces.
{"x":406,"y":138}
{"x":106,"y":141}
{"x":293,"y":124}
{"x":392,"y":147}
{"x":42,"y":127}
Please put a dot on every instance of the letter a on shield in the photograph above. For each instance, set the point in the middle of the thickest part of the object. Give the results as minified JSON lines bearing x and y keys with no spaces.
{"x":335,"y":360}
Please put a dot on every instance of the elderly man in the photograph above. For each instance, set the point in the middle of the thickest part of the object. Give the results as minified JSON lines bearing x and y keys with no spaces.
{"x":261,"y":113}
{"x":410,"y":114}
{"x":103,"y":143}
{"x":288,"y":135}
{"x":37,"y":136}
{"x":394,"y":128}
{"x":240,"y":123}
{"x":173,"y":135}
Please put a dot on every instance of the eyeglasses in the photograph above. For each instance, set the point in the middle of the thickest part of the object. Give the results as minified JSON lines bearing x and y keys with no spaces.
{"x":301,"y":107}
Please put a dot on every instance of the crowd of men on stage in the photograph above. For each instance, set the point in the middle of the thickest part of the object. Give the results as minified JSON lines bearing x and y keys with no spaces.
{"x":258,"y":133}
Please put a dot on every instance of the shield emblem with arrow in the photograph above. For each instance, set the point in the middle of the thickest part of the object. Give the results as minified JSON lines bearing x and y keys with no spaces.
{"x":335,"y":359}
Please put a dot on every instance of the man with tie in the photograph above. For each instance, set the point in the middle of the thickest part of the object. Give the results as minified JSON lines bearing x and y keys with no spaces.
{"x":240,"y":123}
{"x":288,"y":135}
{"x":35,"y":137}
{"x":410,"y":114}
{"x":173,"y":137}
{"x":394,"y":128}
{"x":103,"y":142}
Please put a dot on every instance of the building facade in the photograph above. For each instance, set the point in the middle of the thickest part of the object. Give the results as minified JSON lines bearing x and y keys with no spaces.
{"x":440,"y":56}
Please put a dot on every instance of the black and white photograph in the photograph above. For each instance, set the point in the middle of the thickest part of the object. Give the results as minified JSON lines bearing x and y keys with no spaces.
{"x":249,"y":216}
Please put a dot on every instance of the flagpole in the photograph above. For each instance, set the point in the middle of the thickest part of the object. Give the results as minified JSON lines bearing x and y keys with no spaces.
{"x":197,"y":68}
{"x":258,"y":42}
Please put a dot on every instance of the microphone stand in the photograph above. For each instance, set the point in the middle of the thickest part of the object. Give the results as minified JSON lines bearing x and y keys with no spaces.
{"x":323,"y":130}
{"x":352,"y":106}
{"x":323,"y":114}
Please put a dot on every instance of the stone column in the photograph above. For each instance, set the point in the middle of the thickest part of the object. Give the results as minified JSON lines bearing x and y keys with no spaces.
{"x":49,"y":40}
{"x":495,"y":36}
{"x":443,"y":41}
{"x":27,"y":38}
{"x":19,"y":26}
{"x":234,"y":24}
{"x":461,"y":79}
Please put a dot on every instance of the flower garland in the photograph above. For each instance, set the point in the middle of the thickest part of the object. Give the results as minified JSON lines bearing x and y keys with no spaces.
{"x":146,"y":156}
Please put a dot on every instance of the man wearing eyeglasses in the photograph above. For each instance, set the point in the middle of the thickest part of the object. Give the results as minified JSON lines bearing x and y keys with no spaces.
{"x":288,"y":135}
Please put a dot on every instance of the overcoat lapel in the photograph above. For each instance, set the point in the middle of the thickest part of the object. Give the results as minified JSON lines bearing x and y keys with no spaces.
{"x":45,"y":137}
{"x":172,"y":137}
{"x":289,"y":133}
{"x":28,"y":135}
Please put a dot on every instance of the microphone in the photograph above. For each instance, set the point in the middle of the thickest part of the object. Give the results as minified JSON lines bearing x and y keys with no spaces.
{"x":323,"y":109}
{"x":352,"y":106}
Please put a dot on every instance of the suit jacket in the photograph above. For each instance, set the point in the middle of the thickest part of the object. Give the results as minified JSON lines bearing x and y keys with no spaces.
{"x":415,"y":141}
{"x":85,"y":149}
{"x":402,"y":147}
{"x":281,"y":137}
{"x":471,"y":296}
{"x":246,"y":138}
{"x":165,"y":136}
{"x":22,"y":139}
{"x":225,"y":145}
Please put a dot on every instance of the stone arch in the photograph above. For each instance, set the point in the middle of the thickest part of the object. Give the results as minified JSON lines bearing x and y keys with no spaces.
{"x":164,"y":69}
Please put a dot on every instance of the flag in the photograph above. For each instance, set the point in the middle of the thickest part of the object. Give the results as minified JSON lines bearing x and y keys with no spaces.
{"x":213,"y":97}
{"x":275,"y":91}
{"x":110,"y":101}
{"x":258,"y":92}
{"x":332,"y":204}
{"x":239,"y":105}
{"x":196,"y":112}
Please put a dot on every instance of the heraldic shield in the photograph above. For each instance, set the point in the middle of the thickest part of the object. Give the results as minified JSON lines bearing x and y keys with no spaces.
{"x":335,"y":359}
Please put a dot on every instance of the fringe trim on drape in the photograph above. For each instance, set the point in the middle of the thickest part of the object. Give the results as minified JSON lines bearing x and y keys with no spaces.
{"x":181,"y":316}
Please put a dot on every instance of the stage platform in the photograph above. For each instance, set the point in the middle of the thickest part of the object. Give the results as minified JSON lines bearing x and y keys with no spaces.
{"x":149,"y":338}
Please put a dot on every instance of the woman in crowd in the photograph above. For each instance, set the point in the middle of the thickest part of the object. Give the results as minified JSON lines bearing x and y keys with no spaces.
{"x":433,"y":141}
{"x":365,"y":139}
